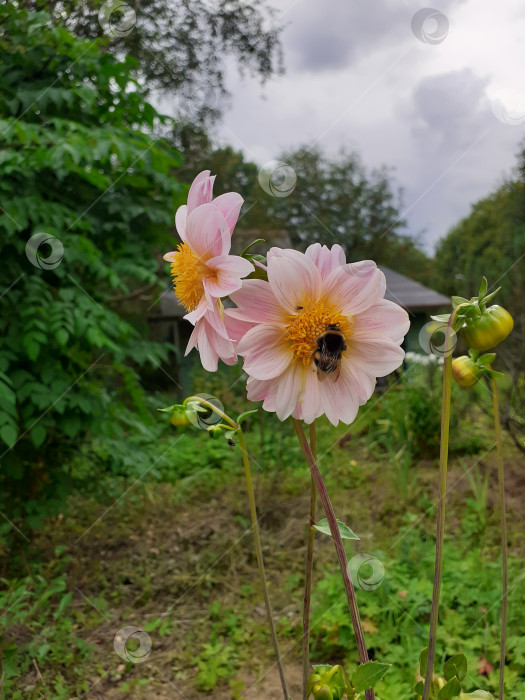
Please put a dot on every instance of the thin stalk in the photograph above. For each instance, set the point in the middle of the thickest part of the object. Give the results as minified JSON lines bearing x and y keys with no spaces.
{"x":440,"y":526}
{"x":255,"y":527}
{"x":339,"y":548}
{"x":503,"y":523}
{"x":260,"y":561}
{"x":309,"y":569}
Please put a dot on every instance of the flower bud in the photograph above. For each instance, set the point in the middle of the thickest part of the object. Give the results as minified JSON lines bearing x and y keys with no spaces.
{"x":489,"y":329}
{"x":465,"y":371}
{"x":214,"y":431}
{"x":179,"y":416}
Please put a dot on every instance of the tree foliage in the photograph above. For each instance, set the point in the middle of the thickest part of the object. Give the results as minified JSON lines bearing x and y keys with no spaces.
{"x":490,"y":242}
{"x":183,"y":47}
{"x":332,"y":200}
{"x":82,"y":166}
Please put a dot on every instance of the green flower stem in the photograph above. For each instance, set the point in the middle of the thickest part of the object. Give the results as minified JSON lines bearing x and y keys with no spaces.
{"x":255,"y":527}
{"x":309,"y":569}
{"x":440,"y":527}
{"x":260,"y":561}
{"x":339,"y":547}
{"x":503,"y":523}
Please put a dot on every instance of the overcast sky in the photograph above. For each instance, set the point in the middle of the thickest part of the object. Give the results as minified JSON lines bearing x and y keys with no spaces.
{"x":446,"y":110}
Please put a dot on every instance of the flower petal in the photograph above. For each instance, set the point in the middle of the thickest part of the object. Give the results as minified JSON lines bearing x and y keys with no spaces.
{"x":181,"y":216}
{"x":384,"y":317}
{"x":207,"y":232}
{"x":294,"y":279}
{"x":265,"y":353}
{"x":256,"y":302}
{"x":374,"y":354}
{"x":229,"y":205}
{"x":326,"y":259}
{"x":354,"y":288}
{"x":199,"y":312}
{"x":288,"y":390}
{"x":201,"y":190}
{"x":311,"y":396}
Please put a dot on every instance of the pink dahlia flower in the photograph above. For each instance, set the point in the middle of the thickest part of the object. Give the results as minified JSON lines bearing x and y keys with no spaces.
{"x":203,"y":270}
{"x":292,"y":366}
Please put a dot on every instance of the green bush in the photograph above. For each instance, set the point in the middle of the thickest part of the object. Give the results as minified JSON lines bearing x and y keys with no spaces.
{"x":82,"y":167}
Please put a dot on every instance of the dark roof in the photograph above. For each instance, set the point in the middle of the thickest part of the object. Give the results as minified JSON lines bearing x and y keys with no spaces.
{"x":412,"y":295}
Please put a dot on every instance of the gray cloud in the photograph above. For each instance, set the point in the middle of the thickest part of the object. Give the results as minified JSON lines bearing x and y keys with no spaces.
{"x":332,"y":34}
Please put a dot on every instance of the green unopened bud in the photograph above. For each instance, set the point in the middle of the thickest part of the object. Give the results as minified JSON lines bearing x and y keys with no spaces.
{"x":327,"y":683}
{"x":179,"y":416}
{"x":321,"y":691}
{"x":465,"y":371}
{"x":214,"y":432}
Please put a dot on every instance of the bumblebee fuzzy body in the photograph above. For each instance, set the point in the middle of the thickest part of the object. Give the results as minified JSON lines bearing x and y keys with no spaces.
{"x":327,"y":355}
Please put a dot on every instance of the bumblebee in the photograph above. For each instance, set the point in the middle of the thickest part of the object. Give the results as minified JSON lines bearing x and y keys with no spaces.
{"x":327,"y":355}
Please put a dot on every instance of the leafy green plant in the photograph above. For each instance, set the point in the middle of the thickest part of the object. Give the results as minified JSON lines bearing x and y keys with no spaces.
{"x":87,"y":195}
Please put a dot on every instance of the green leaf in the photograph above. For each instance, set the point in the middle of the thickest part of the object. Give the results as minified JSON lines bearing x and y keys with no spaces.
{"x":243,"y":416}
{"x":367,"y":675}
{"x":442,"y":318}
{"x":456,"y":301}
{"x":344,"y":530}
{"x":259,"y":240}
{"x":483,"y":288}
{"x":38,"y":435}
{"x":455,"y":666}
{"x":419,"y":688}
{"x":487,"y":359}
{"x":491,"y":296}
{"x":450,"y":690}
{"x":9,"y":435}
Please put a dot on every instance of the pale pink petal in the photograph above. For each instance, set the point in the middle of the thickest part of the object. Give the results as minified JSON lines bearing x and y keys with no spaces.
{"x":294,"y":279}
{"x":256,"y":302}
{"x":209,"y":356}
{"x":170,"y":257}
{"x":265,"y":353}
{"x":258,"y":390}
{"x":223,"y":347}
{"x":201,"y":191}
{"x":311,"y":397}
{"x":236,"y":329}
{"x":374,"y":354}
{"x":326,"y":259}
{"x":207,"y":232}
{"x":199,"y":312}
{"x":288,"y":391}
{"x":354,"y":290}
{"x":214,"y":319}
{"x":181,"y":216}
{"x":384,"y":317}
{"x":232,"y":264}
{"x":229,"y":205}
{"x":365,"y":383}
{"x":339,"y":398}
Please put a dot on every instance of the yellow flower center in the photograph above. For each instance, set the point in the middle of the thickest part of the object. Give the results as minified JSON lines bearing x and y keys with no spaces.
{"x":188,"y":271}
{"x":308,"y":324}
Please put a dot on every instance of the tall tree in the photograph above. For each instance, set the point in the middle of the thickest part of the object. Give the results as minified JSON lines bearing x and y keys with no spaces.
{"x":183,"y":47}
